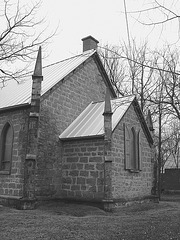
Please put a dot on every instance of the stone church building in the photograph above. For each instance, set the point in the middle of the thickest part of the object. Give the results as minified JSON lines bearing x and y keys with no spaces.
{"x":65,"y":135}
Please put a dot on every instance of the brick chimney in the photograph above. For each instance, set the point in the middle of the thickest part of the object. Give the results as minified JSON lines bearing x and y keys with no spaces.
{"x":89,"y":43}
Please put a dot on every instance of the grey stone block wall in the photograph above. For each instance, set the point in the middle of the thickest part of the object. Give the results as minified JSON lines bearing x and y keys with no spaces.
{"x":128,"y":185}
{"x":12,"y":184}
{"x":83,"y":169}
{"x":59,"y":108}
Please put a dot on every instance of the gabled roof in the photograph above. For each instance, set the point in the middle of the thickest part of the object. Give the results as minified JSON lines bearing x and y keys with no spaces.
{"x":15,"y":95}
{"x":90,"y":123}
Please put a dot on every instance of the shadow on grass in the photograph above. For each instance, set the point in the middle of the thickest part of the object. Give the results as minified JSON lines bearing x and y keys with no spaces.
{"x":170,"y":197}
{"x":82,"y":210}
{"x":70,"y":209}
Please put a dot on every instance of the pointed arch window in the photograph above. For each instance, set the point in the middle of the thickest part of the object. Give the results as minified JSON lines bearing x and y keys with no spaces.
{"x":6,"y":145}
{"x":133,"y":149}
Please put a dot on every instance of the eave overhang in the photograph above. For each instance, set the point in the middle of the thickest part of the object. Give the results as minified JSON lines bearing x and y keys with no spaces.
{"x":15,"y":107}
{"x":82,"y":138}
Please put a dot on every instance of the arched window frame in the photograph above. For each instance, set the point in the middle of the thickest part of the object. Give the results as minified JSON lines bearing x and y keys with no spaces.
{"x":133,"y":149}
{"x":3,"y":169}
{"x":134,"y":152}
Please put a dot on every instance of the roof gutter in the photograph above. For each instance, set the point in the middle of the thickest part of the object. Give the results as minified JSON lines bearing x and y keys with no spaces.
{"x":15,"y":107}
{"x":82,"y":138}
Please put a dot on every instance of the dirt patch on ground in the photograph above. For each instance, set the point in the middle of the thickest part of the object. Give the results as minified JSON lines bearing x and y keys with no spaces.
{"x":82,"y":210}
{"x":69,"y":209}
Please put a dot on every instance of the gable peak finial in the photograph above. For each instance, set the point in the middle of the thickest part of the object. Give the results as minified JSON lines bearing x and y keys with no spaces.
{"x":38,"y":65}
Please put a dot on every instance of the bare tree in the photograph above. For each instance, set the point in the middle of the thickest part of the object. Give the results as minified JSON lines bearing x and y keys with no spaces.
{"x":159,"y":13}
{"x":140,"y":72}
{"x":164,"y":10}
{"x":130,"y":70}
{"x":115,"y":69}
{"x":172,"y":143}
{"x":167,"y":63}
{"x":20,"y":35}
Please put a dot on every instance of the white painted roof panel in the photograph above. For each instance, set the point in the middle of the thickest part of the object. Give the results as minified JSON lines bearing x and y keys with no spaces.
{"x":91,"y":121}
{"x":14,"y":94}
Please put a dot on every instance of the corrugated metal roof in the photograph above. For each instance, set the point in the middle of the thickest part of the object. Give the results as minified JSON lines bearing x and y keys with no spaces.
{"x":14,"y":94}
{"x":91,"y":121}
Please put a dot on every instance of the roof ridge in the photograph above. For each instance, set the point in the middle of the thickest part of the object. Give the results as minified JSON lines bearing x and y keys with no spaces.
{"x":89,"y":52}
{"x":127,"y":96}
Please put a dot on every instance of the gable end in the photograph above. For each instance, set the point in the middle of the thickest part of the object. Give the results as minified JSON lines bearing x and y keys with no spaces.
{"x":142,"y":121}
{"x":104,"y":74}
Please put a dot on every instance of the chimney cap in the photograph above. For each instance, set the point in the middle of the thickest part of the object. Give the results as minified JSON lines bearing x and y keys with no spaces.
{"x":90,"y":37}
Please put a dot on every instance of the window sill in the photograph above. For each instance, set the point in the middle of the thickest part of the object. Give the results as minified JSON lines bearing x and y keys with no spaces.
{"x":4,"y":172}
{"x":134,"y":170}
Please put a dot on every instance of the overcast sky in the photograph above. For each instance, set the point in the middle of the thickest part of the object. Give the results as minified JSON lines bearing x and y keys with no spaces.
{"x":104,"y":20}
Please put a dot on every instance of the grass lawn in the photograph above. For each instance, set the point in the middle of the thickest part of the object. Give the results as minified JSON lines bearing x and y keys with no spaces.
{"x":76,"y":221}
